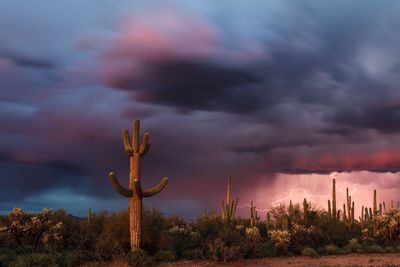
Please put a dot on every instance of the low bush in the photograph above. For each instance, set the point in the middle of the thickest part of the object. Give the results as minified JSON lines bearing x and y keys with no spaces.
{"x":164,"y":255}
{"x":390,"y":250}
{"x":309,"y":252}
{"x":140,"y":258}
{"x":374,"y":249}
{"x":221,"y":252}
{"x":266,"y":249}
{"x":34,"y":259}
{"x":331,"y":249}
{"x":354,"y":246}
{"x":193,"y":254}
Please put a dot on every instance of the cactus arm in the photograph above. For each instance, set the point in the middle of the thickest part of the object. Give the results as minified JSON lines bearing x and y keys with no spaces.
{"x":135,"y":138}
{"x":127,"y":145}
{"x":120,"y":189}
{"x":234,"y":208}
{"x":155,"y":190}
{"x":144,"y":147}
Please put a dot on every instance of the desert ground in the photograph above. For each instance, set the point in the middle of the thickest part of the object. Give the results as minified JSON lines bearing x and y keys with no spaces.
{"x":392,"y":259}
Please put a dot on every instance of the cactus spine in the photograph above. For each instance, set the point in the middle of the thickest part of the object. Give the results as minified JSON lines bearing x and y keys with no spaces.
{"x":135,"y":192}
{"x":229,"y":209}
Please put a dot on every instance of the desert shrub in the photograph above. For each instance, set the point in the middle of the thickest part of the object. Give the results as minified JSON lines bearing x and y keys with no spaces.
{"x":266,"y":249}
{"x":220,"y":252}
{"x":336,"y":231}
{"x":193,"y":254}
{"x":390,"y":249}
{"x":301,"y":236}
{"x":388,"y":228}
{"x":253,"y":240}
{"x":33,"y":229}
{"x":72,"y":258}
{"x":34,"y":259}
{"x":140,"y":258}
{"x":7,"y":256}
{"x":331,"y":249}
{"x":281,"y":240}
{"x":182,"y":238}
{"x":354,"y":246}
{"x":374,"y":249}
{"x":154,"y":225}
{"x":164,"y":255}
{"x":114,"y":238}
{"x":309,"y":252}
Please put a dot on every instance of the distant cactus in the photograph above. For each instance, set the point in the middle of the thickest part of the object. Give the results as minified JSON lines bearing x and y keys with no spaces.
{"x":305,"y":210}
{"x":89,"y":215}
{"x":135,"y":192}
{"x":285,"y":222}
{"x":334,"y":199}
{"x":229,"y":209}
{"x":350,"y":210}
{"x":253,"y":215}
{"x":268,"y":222}
{"x":329,"y":209}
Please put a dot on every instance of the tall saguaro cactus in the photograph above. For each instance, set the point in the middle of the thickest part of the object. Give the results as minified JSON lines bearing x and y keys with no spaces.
{"x":228,"y":209}
{"x":135,"y":192}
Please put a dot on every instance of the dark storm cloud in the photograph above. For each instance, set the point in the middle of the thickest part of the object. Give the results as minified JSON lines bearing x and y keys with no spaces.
{"x":189,"y":84}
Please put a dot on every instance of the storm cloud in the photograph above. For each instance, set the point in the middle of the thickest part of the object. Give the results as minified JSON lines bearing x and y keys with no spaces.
{"x":252,"y":90}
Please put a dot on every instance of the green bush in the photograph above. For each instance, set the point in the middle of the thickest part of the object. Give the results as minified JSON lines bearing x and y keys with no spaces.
{"x":165,"y":255}
{"x":390,"y":249}
{"x":374,"y":249}
{"x":266,"y":249}
{"x":72,"y":258}
{"x":35,"y":259}
{"x":354,"y":246}
{"x":193,"y":254}
{"x":310,"y":252}
{"x":7,"y":256}
{"x":140,"y":258}
{"x":331,"y":249}
{"x":221,"y":252}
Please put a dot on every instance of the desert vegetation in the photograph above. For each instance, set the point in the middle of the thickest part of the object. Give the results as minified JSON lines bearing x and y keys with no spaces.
{"x":141,"y":236}
{"x":54,"y":238}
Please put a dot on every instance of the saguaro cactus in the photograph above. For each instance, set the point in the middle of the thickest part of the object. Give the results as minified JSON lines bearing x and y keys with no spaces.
{"x":89,"y":215}
{"x":334,"y":199}
{"x":228,"y":209}
{"x":135,"y":192}
{"x":253,"y":215}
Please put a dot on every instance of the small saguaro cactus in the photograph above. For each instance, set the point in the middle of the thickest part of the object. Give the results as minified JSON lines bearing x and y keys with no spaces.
{"x":268,"y":223}
{"x":135,"y":192}
{"x":89,"y":215}
{"x":334,"y":199}
{"x":329,"y":209}
{"x":229,"y":209}
{"x":253,"y":215}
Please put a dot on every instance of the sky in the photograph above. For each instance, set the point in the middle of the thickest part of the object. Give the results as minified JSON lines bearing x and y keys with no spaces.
{"x":281,"y":95}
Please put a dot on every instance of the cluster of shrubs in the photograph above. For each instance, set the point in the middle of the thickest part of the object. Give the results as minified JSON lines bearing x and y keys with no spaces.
{"x":54,"y":238}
